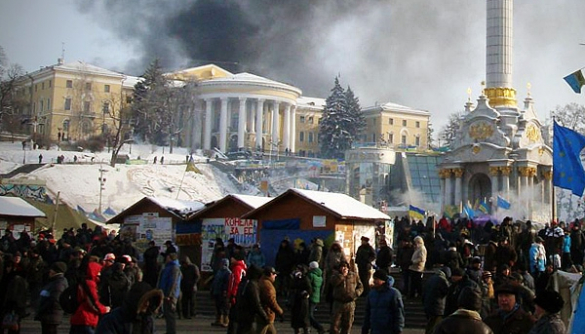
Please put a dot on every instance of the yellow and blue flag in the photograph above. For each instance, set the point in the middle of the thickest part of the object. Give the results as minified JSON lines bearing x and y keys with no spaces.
{"x":469,"y":212}
{"x":502,"y":203}
{"x":568,"y":172}
{"x":451,"y":211}
{"x":484,"y":207}
{"x":576,"y":80}
{"x":416,"y":213}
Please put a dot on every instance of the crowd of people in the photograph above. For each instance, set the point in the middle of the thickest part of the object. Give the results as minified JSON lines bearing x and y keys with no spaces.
{"x":493,"y":278}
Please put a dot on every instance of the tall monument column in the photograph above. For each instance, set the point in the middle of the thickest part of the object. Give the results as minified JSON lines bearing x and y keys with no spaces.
{"x":499,"y":51}
{"x":494,"y":173}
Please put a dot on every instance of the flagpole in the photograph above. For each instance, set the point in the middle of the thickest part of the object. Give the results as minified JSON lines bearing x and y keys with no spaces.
{"x":180,"y":185}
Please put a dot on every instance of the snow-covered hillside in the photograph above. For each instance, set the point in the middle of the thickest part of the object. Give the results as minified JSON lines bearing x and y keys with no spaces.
{"x":78,"y":183}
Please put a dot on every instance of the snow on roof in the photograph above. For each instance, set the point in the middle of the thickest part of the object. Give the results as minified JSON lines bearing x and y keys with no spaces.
{"x":389,"y":106}
{"x":305,"y":101}
{"x":183,"y":207}
{"x":16,"y":206}
{"x":249,"y":78}
{"x":80,"y":66}
{"x":253,"y":201}
{"x":342,"y":204}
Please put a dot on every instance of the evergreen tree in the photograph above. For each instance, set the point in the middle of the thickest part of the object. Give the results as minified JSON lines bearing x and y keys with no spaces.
{"x":341,"y":122}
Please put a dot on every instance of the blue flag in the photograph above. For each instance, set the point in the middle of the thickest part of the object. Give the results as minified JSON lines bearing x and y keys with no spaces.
{"x":568,"y":170}
{"x":502,"y":203}
{"x":484,"y":207}
{"x":469,"y":212}
{"x":416,"y":213}
{"x":576,"y":81}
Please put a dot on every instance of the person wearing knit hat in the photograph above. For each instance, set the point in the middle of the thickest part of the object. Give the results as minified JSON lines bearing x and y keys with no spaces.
{"x":548,"y":305}
{"x":315,"y":276}
{"x":49,"y":312}
{"x":466,"y":319}
{"x":510,"y":317}
{"x":384,"y":307}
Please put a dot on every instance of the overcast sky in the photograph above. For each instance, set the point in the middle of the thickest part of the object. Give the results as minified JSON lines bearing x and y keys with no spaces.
{"x":419,"y":53}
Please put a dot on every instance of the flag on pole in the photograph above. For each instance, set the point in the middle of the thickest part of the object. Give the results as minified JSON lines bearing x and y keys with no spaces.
{"x":484,"y":207}
{"x":576,"y":80}
{"x":191,"y":168}
{"x":502,"y":203}
{"x":568,"y":172}
{"x":416,"y":213}
{"x":468,"y":211}
{"x":451,"y":211}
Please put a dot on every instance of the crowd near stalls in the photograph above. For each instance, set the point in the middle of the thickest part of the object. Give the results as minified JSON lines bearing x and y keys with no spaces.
{"x":492,"y":277}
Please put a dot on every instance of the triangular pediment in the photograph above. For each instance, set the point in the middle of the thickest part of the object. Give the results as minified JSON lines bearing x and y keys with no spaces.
{"x":205,"y":72}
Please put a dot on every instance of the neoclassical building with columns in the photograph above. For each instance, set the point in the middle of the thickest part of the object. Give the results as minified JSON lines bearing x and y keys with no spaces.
{"x":241,"y":111}
{"x":499,"y":149}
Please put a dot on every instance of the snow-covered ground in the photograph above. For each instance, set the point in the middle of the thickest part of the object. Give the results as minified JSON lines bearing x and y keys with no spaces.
{"x":78,"y":183}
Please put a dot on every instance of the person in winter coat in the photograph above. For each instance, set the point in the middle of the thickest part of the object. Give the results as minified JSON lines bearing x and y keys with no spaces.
{"x":219,"y":293}
{"x":151,"y":266}
{"x":385,"y":256}
{"x":577,"y":243}
{"x":170,"y":284}
{"x":238,"y":272}
{"x":316,"y":251}
{"x":384,"y":307}
{"x":136,"y":315}
{"x":256,"y":257}
{"x":417,"y":266}
{"x":315,"y":276}
{"x":284,"y":264}
{"x":459,"y":280}
{"x":509,"y":317}
{"x":433,"y":297}
{"x":49,"y":311}
{"x":268,"y":301}
{"x":466,"y":319}
{"x":85,"y":318}
{"x":16,"y":296}
{"x":347,"y":287}
{"x":248,"y":305}
{"x":537,"y":257}
{"x":300,"y":291}
{"x":364,"y":257}
{"x":548,"y":306}
{"x":116,"y":286}
{"x":191,"y":275}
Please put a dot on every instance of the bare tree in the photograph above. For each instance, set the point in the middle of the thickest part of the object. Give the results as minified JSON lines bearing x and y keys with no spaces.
{"x":10,"y":103}
{"x":81,"y":104}
{"x":571,"y":116}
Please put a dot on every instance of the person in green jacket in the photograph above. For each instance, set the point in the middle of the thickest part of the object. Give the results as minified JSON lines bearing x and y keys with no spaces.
{"x":316,"y":278}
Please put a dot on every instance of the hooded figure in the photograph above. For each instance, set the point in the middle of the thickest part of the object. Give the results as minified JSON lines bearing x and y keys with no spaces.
{"x":136,"y":314}
{"x":384,"y":307}
{"x":90,"y":308}
{"x":417,"y":266}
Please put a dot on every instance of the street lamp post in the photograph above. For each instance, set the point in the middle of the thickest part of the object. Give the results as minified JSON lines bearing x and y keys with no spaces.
{"x":102,"y":181}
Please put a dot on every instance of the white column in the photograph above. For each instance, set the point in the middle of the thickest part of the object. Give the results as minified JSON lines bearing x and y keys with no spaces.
{"x":253,"y":117}
{"x":458,"y":176}
{"x":293,"y":129}
{"x":242,"y":123}
{"x":448,"y":188}
{"x":223,"y":124}
{"x":275,"y":124}
{"x":208,"y":123}
{"x":494,"y":171}
{"x":259,"y":112}
{"x":286,"y":131}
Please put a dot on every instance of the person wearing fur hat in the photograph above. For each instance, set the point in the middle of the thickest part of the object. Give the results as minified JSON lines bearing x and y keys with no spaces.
{"x":509,"y":317}
{"x":548,"y":305}
{"x":49,"y":311}
{"x":384,"y":307}
{"x":466,"y":319}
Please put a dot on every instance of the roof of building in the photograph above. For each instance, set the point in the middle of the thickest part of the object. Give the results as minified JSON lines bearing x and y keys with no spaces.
{"x":177,"y":208}
{"x":17,"y":207}
{"x":311,"y":102}
{"x":253,"y":201}
{"x":249,"y":78}
{"x":395,"y":107}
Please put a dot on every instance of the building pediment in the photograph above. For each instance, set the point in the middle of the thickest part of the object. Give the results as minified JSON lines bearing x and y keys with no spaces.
{"x":476,"y":152}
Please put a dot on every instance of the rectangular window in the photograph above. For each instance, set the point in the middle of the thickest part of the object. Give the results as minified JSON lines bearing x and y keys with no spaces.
{"x":404,"y":122}
{"x":417,"y":124}
{"x":86,"y":106}
{"x":302,"y":119}
{"x":42,"y":85}
{"x":42,"y":105}
{"x":88,"y":86}
{"x":107,"y":88}
{"x":310,"y":120}
{"x":373,"y":137}
{"x":50,"y":83}
{"x":68,"y":104}
{"x":391,"y":121}
{"x":49,"y":104}
{"x":417,"y":141}
{"x":301,"y":136}
{"x":403,"y":139}
{"x":36,"y":88}
{"x":106,"y":107}
{"x":310,"y":137}
{"x":391,"y":138}
{"x":69,"y":84}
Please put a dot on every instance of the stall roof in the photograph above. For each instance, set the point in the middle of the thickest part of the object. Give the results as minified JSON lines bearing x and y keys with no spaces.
{"x":252,"y":202}
{"x":178,"y":208}
{"x":16,"y":206}
{"x":341,"y":205}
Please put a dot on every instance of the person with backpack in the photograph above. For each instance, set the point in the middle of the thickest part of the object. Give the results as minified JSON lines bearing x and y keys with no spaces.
{"x":85,"y":318}
{"x":49,"y":311}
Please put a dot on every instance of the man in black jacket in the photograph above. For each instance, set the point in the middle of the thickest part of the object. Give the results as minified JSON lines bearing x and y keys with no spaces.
{"x":248,"y":305}
{"x":434,"y":295}
{"x":466,"y":319}
{"x":49,"y":311}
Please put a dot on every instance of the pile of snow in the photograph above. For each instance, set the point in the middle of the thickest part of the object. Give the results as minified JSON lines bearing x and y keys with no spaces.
{"x":79,"y":185}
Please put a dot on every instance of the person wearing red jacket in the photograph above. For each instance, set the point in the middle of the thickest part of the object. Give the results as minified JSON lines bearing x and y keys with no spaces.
{"x":238,"y":268}
{"x":85,"y":319}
